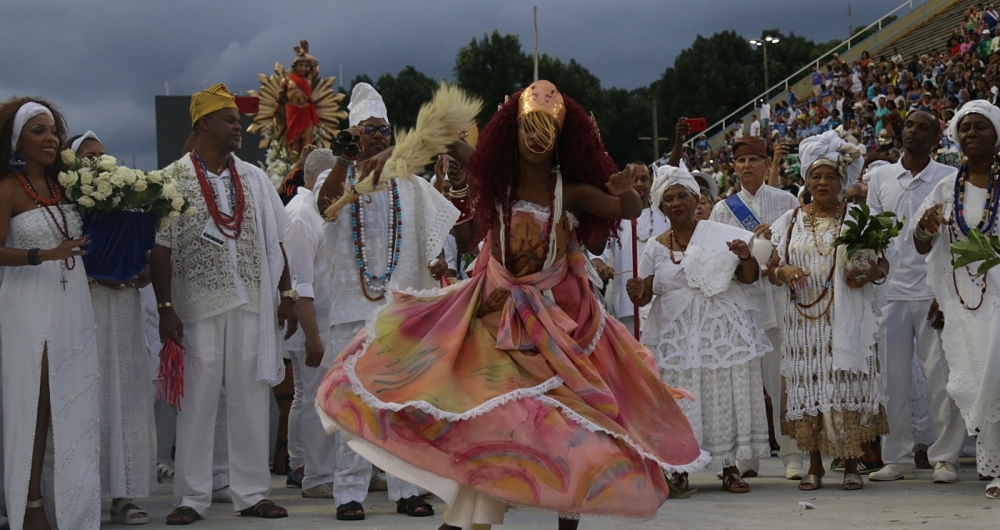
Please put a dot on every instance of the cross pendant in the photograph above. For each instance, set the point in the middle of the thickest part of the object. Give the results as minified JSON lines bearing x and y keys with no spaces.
{"x":63,"y":280}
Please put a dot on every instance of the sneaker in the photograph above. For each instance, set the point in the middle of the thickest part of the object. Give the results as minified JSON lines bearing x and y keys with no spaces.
{"x":945,"y":473}
{"x":379,"y":482}
{"x":894,"y":472}
{"x":294,"y":479}
{"x":165,"y":471}
{"x":793,"y":467}
{"x":222,"y":496}
{"x":323,"y":491}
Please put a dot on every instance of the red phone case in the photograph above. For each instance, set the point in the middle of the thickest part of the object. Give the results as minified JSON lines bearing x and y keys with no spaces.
{"x":696,"y":125}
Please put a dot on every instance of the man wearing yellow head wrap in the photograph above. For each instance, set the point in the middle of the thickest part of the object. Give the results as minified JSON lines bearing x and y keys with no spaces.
{"x":218,"y":272}
{"x":212,"y":99}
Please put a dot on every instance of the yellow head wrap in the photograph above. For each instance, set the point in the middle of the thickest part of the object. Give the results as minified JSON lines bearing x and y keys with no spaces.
{"x":210,"y":100}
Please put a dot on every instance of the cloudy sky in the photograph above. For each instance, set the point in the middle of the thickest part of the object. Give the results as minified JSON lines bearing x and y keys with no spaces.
{"x":103,"y":61}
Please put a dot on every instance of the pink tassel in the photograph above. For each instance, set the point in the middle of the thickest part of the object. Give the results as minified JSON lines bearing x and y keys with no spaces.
{"x":170,"y":381}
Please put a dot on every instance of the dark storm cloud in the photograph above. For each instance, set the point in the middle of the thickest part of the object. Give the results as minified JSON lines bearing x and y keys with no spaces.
{"x":103,"y":61}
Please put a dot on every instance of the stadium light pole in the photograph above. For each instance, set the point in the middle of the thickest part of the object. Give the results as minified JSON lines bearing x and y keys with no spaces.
{"x":763,"y":42}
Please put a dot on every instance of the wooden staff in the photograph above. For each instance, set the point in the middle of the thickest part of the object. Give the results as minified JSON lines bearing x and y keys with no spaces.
{"x":635,"y":274}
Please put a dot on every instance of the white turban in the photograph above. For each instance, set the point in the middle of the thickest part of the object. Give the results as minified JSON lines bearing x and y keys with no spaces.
{"x":829,"y":148}
{"x":26,"y":112}
{"x":89,"y":135}
{"x":976,"y":106}
{"x":366,"y":103}
{"x":667,"y":176}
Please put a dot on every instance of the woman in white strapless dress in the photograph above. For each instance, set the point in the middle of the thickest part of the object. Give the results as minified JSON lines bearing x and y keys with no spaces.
{"x":48,"y":323}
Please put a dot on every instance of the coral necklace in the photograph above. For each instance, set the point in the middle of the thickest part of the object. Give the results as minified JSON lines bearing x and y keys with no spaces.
{"x":46,"y":204}
{"x":230,"y":225}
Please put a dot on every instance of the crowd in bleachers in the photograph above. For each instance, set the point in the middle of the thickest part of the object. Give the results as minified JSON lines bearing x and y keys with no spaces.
{"x":869,"y":97}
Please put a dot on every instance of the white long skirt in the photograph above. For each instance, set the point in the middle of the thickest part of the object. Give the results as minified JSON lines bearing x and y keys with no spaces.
{"x":728,"y":417}
{"x":39,"y":312}
{"x":128,"y":434}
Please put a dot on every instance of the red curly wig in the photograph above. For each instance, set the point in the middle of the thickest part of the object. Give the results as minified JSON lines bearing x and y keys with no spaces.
{"x":494,"y":171}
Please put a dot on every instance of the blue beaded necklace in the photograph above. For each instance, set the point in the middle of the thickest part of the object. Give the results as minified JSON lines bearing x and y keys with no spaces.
{"x":369,"y":280}
{"x":990,"y":211}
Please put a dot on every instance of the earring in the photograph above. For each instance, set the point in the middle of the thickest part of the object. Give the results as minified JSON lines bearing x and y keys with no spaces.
{"x":17,"y":162}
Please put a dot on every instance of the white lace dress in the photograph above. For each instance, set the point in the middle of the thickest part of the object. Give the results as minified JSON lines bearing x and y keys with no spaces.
{"x":711,"y":346}
{"x":128,"y":439}
{"x":38,"y":313}
{"x":823,"y":409}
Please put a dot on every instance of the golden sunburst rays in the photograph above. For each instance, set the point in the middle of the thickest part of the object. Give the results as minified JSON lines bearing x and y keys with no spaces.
{"x":269,"y":122}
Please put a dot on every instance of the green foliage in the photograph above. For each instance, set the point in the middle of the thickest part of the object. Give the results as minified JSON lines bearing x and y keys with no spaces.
{"x":978,"y":248}
{"x":492,"y":69}
{"x":867,"y":231}
{"x":404,"y":94}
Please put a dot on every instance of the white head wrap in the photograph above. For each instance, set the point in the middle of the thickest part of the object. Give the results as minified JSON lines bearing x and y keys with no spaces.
{"x":976,"y":106}
{"x":26,"y":112}
{"x":366,"y":103}
{"x":667,"y":176}
{"x":89,"y":135}
{"x":829,"y":148}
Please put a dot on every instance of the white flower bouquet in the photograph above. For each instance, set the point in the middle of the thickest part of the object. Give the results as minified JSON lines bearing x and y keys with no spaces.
{"x":121,"y":210}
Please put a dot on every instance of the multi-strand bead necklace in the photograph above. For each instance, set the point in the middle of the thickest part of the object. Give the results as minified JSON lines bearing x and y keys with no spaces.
{"x":369,"y":281}
{"x":986,"y":225}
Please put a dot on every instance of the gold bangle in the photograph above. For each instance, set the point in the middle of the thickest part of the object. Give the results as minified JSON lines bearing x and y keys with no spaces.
{"x":163,"y":305}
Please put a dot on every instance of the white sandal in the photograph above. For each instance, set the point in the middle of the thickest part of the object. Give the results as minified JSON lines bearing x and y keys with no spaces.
{"x":993,"y":489}
{"x":126,"y":518}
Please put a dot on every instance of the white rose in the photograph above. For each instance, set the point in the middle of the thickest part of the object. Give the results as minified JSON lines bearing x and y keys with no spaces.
{"x":86,"y":189}
{"x":107,"y":162}
{"x":139,"y":186}
{"x":86,"y":177}
{"x":98,"y":196}
{"x":155,"y":177}
{"x":130,"y":176}
{"x":115,"y":201}
{"x":86,"y":202}
{"x":178,"y":203}
{"x":169,"y":191}
{"x":190,"y":211}
{"x":105,"y":188}
{"x":68,"y":157}
{"x":103,"y":178}
{"x":117,"y":180}
{"x":174,"y":214}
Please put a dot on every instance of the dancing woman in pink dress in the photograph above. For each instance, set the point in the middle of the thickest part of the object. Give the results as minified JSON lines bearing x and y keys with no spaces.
{"x":515,"y":387}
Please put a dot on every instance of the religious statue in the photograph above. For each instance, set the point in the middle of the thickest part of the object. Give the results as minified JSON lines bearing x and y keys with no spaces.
{"x":296,"y":91}
{"x":297,"y":108}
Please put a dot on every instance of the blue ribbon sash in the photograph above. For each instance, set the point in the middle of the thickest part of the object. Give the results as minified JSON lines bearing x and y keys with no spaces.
{"x":742,"y":212}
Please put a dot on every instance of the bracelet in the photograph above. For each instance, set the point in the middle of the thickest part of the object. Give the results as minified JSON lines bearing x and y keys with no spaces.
{"x":345,"y":161}
{"x":163,"y":305}
{"x":459,"y":194}
{"x":746,"y":258}
{"x":33,"y":257}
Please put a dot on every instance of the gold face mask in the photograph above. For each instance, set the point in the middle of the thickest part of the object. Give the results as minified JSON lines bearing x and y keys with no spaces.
{"x":541,"y":114}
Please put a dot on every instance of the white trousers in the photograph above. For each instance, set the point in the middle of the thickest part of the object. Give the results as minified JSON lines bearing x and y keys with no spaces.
{"x":353,"y":474}
{"x":296,"y":449}
{"x":904,"y":321}
{"x":318,"y":452}
{"x":222,"y":357}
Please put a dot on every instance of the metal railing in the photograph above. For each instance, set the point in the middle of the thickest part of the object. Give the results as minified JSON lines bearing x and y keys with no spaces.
{"x":798,"y":75}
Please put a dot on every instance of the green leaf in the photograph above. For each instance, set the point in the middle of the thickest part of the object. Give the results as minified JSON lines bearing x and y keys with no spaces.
{"x":978,"y":248}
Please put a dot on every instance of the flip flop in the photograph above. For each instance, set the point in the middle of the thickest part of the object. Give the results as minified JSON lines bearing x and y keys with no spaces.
{"x":265,"y":509}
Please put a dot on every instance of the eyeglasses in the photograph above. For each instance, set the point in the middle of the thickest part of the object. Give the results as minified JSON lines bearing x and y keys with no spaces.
{"x":369,"y":130}
{"x":857,"y":199}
